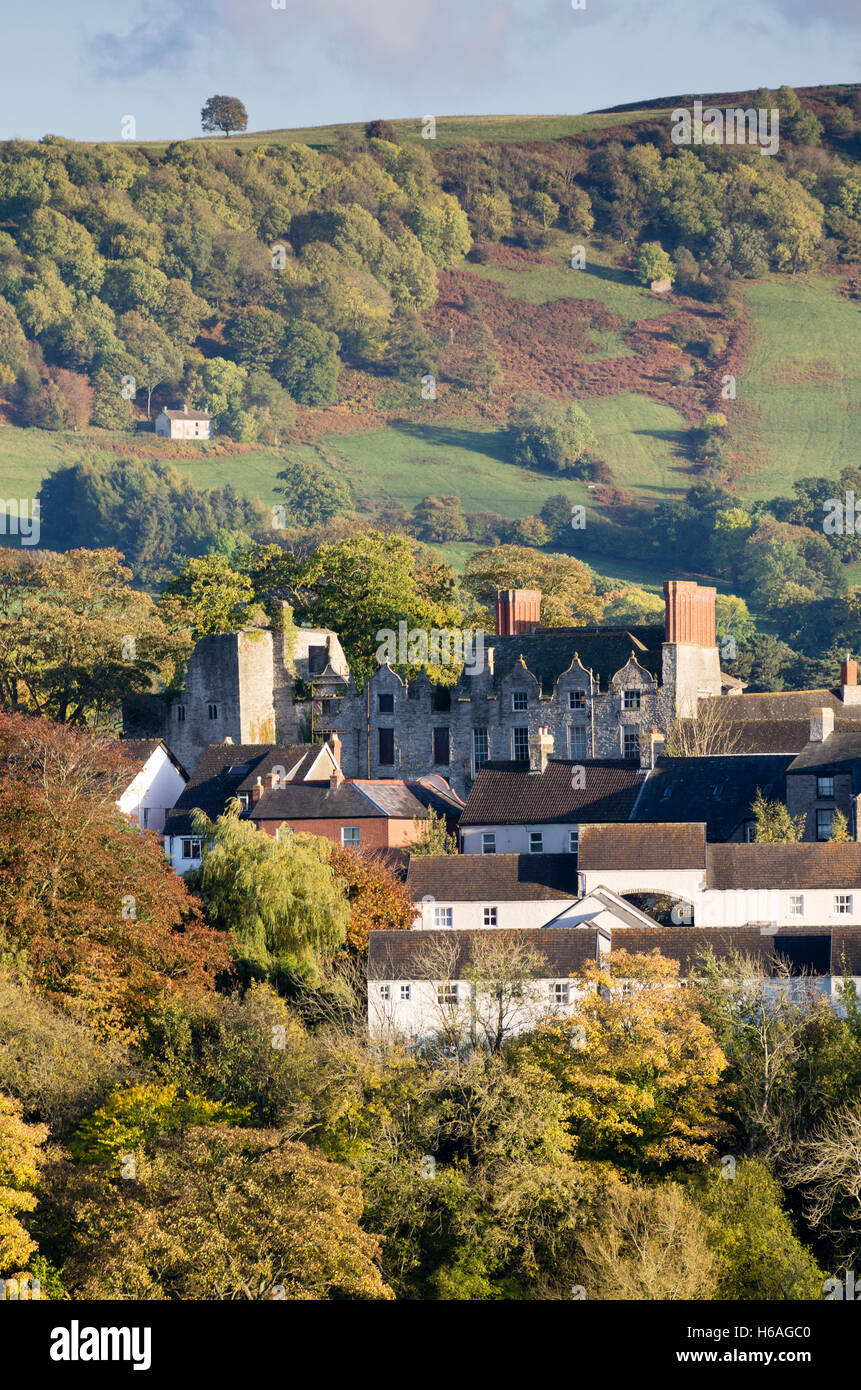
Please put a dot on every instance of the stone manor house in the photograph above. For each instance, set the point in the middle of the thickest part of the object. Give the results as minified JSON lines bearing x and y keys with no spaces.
{"x":597,"y":691}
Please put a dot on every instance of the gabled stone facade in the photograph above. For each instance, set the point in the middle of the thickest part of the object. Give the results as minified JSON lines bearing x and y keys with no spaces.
{"x":600,"y":692}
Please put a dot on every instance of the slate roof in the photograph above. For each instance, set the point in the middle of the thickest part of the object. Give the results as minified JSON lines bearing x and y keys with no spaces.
{"x":634,"y":846}
{"x":787,"y":866}
{"x":790,"y":704}
{"x":603,"y":650}
{"x":397,"y":798}
{"x":320,"y":801}
{"x":186,"y":414}
{"x":841,"y":752}
{"x":506,"y":793}
{"x":227,"y":768}
{"x":138,"y":751}
{"x":717,"y":790}
{"x":409,"y":955}
{"x":800,"y":946}
{"x":511,"y":878}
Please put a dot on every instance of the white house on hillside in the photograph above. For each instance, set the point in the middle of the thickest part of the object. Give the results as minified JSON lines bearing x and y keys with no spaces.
{"x":184,"y":424}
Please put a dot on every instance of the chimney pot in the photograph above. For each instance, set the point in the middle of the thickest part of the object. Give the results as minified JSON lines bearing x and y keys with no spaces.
{"x":256,"y":792}
{"x":540,"y":748}
{"x":821,"y":725}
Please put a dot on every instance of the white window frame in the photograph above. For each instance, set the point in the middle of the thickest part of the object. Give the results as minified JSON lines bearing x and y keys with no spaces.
{"x":488,"y":841}
{"x":490,"y":917}
{"x":447,"y":992}
{"x":627,"y":731}
{"x":539,"y":836}
{"x":576,"y":699}
{"x":825,"y":795}
{"x":825,"y":811}
{"x":560,"y":992}
{"x":385,"y":993}
{"x":841,"y":905}
{"x":796,"y":905}
{"x":632,"y":698}
{"x":519,"y":701}
{"x":574,"y":840}
{"x":576,"y":733}
{"x":191,"y":841}
{"x":480,"y":736}
{"x":517,"y":737}
{"x":354,"y":840}
{"x":406,"y":994}
{"x":443,"y":918}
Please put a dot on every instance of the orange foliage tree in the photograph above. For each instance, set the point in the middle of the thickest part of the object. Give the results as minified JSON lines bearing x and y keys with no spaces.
{"x":378,"y":899}
{"x":90,"y":909}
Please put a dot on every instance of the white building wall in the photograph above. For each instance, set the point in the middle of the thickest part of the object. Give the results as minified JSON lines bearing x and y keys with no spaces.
{"x":421,"y":1017}
{"x":514,"y":839}
{"x":156,"y":788}
{"x":469,"y":916}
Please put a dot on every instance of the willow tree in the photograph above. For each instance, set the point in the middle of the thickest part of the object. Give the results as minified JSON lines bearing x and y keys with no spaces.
{"x":280,"y":897}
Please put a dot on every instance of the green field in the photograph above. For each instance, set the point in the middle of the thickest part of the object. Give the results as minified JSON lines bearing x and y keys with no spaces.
{"x":799,"y":394}
{"x":599,"y":279}
{"x":450,"y":130}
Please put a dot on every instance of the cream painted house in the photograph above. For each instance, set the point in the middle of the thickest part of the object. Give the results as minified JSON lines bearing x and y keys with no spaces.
{"x":184,"y":424}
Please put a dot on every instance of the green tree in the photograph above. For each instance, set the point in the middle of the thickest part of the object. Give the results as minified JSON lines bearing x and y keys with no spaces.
{"x":568,"y":595}
{"x":134,"y":1116}
{"x":224,"y":113}
{"x":548,"y":434}
{"x":757,"y":1253}
{"x":433,"y":836}
{"x":155,"y":360}
{"x":280,"y":896}
{"x":309,"y":364}
{"x":653,"y":263}
{"x":774,"y":824}
{"x":312,"y":492}
{"x":256,"y":335}
{"x":209,"y":596}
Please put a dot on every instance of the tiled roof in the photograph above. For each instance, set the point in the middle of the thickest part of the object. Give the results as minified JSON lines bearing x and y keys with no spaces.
{"x":506,"y":793}
{"x":603,"y":650}
{"x":716,"y":790}
{"x":802,"y":866}
{"x":320,"y":801}
{"x":838,"y":753}
{"x":800,"y":946}
{"x":789,"y":704}
{"x":492,"y":877}
{"x":634,"y":846}
{"x":222,"y":771}
{"x":417,"y":955}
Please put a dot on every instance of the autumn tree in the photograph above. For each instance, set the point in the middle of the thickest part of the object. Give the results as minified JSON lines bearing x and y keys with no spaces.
{"x":568,"y":595}
{"x":378,"y":898}
{"x":639,"y":1066}
{"x":20,"y":1161}
{"x":75,"y":637}
{"x":651,"y":1244}
{"x":219,"y":1214}
{"x":105,"y":925}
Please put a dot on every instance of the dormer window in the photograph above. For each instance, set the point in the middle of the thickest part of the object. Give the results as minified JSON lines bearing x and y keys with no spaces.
{"x":576,"y":699}
{"x":631,"y":699}
{"x":520,"y":701}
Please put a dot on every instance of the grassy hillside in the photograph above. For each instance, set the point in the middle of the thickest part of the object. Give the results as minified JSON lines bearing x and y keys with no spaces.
{"x":799,"y":392}
{"x":450,"y":130}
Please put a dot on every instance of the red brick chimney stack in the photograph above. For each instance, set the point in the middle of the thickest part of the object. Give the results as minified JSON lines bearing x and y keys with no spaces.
{"x":256,"y":791}
{"x":690,"y":613}
{"x":336,"y":776}
{"x":849,"y":671}
{"x":517,"y":610}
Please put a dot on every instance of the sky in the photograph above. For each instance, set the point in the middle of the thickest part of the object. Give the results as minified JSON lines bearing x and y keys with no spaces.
{"x":78,"y":68}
